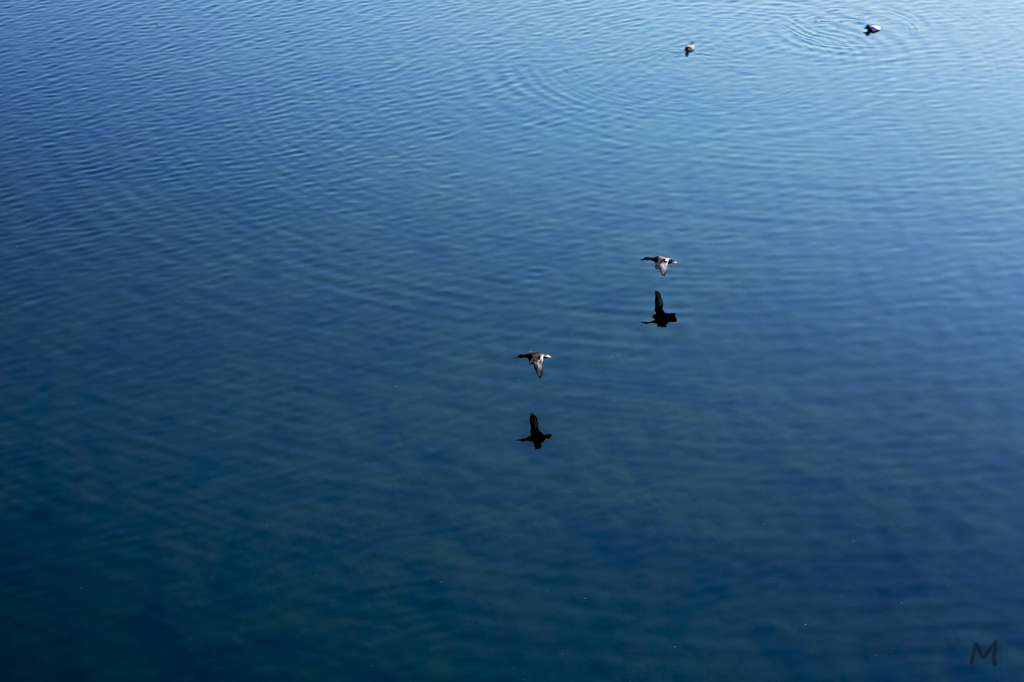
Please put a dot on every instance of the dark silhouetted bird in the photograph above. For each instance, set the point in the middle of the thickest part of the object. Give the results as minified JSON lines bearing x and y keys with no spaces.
{"x":535,"y":437}
{"x":689,"y":48}
{"x":537,"y":360}
{"x":871,"y":28}
{"x":661,"y":318}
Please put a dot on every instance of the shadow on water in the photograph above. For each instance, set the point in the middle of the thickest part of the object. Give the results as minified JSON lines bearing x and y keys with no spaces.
{"x":661,"y":318}
{"x":535,"y":437}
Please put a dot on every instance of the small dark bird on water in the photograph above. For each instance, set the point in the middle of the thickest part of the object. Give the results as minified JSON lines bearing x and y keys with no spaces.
{"x":660,"y":262}
{"x":661,"y":318}
{"x":537,"y":360}
{"x":871,"y":28}
{"x":535,"y":437}
{"x":690,"y":48}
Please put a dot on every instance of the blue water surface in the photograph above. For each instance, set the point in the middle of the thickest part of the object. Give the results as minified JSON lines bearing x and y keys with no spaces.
{"x":265,"y":267}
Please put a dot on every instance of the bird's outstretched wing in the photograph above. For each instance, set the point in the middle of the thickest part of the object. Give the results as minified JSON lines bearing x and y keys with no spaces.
{"x":534,"y":423}
{"x":663,"y":266}
{"x":538,"y":364}
{"x":659,"y":305}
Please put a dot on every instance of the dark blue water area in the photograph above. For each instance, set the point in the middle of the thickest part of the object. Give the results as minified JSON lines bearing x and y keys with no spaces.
{"x":266,"y":268}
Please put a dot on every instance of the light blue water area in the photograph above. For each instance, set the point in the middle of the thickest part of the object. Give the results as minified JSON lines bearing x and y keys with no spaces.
{"x":265,"y":268}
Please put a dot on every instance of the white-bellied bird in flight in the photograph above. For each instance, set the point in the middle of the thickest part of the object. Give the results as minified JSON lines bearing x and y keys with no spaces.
{"x":660,"y":262}
{"x":537,"y":360}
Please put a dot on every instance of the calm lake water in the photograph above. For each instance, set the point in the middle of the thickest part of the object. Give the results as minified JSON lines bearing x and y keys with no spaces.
{"x":265,"y":267}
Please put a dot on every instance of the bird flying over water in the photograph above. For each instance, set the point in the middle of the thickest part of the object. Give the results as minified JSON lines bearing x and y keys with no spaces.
{"x":872,"y":28}
{"x":537,"y":360}
{"x":661,"y":318}
{"x":690,"y":48}
{"x":660,"y":262}
{"x":535,"y":437}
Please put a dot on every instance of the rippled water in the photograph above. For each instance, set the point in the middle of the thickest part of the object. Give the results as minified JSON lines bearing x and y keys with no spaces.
{"x":267,"y":266}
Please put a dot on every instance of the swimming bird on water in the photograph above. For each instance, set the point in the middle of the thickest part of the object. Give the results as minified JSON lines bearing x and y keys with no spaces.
{"x":660,"y":262}
{"x":661,"y":318}
{"x":537,"y":360}
{"x":535,"y":437}
{"x":871,"y":28}
{"x":690,"y":48}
